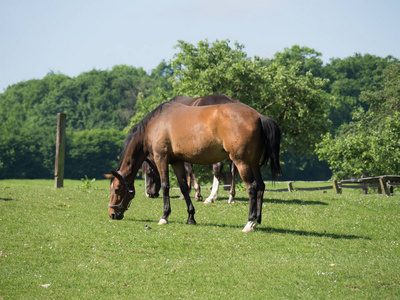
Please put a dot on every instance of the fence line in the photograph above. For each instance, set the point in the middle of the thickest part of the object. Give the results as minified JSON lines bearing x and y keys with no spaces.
{"x":385,"y":185}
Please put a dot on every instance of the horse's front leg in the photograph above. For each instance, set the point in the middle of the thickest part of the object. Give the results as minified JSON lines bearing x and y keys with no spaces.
{"x":164,"y":176}
{"x":180,"y":172}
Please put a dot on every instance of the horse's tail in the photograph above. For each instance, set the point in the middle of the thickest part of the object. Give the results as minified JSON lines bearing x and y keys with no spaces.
{"x":272,"y":136}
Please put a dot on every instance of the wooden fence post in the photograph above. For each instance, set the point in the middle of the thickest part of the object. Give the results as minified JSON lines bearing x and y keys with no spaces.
{"x":336,"y":187}
{"x":382,"y":183}
{"x":364,"y":184}
{"x":290,"y":186}
{"x":60,"y":151}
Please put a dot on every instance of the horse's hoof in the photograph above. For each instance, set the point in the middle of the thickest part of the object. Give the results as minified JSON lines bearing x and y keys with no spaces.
{"x":163,"y":222}
{"x":208,"y":201}
{"x":250,"y":226}
{"x":231,"y":200}
{"x":191,"y":222}
{"x":200,"y":198}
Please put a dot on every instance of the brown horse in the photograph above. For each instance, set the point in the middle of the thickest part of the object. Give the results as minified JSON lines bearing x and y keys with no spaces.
{"x":174,"y":133}
{"x":152,"y":178}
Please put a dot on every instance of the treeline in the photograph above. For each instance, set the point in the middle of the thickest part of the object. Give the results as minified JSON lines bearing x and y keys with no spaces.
{"x":98,"y":104}
{"x":308,"y":98}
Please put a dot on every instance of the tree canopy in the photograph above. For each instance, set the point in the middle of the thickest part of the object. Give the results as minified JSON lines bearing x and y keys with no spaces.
{"x":371,"y":142}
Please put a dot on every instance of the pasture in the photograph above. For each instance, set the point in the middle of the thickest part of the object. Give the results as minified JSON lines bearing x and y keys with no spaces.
{"x":61,"y":244}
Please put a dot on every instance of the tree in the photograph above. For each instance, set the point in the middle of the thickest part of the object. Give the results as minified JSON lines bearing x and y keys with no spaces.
{"x":92,"y":152}
{"x":95,"y":100}
{"x":348,"y":78}
{"x":280,"y":90}
{"x":160,"y":92}
{"x":309,"y":59}
{"x":371,"y":143}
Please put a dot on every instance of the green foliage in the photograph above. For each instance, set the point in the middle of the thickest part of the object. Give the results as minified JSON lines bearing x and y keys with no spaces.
{"x":348,"y":78}
{"x":308,"y":59}
{"x":92,"y":152}
{"x":87,"y":183}
{"x":61,"y":244}
{"x":98,"y":105}
{"x":160,"y":92}
{"x":371,"y":143}
{"x":25,"y":155}
{"x":279,"y":90}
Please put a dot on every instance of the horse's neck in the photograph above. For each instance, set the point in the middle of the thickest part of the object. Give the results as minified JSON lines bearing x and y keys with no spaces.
{"x":134,"y":157}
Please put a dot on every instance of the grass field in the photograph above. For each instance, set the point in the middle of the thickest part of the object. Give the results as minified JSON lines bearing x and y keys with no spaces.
{"x":61,"y":244}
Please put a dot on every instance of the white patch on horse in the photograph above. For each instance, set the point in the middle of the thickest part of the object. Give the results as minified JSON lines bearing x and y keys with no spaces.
{"x":250,"y":226}
{"x":163,"y":222}
{"x":214,"y":191}
{"x":145,"y":186}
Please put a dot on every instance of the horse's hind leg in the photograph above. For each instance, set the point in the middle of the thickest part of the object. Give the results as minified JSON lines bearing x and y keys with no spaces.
{"x":232,"y":192}
{"x":260,"y":192}
{"x":253,"y":185}
{"x":192,"y":178}
{"x":217,"y":169}
{"x":180,"y":173}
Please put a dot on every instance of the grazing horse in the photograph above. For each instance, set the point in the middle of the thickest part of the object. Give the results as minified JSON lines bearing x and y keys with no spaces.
{"x":152,"y":180}
{"x":175,"y":133}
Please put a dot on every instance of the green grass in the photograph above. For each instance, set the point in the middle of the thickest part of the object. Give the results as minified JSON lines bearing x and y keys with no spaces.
{"x":61,"y":244}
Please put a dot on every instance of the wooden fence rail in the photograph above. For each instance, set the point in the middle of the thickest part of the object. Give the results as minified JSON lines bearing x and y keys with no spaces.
{"x":385,"y":185}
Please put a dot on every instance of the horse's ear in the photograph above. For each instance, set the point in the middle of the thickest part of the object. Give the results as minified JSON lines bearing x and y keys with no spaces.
{"x":117,"y":175}
{"x":108,"y":176}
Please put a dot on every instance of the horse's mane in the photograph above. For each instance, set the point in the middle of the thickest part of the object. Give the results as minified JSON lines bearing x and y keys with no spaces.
{"x":138,"y":129}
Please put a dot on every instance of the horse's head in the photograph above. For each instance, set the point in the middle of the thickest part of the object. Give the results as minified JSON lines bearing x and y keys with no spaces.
{"x":120,"y":195}
{"x":152,"y":179}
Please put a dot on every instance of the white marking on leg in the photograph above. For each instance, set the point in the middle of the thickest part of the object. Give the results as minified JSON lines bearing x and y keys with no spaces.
{"x":214,"y":191}
{"x":231,"y":200}
{"x":196,"y":188}
{"x":250,"y":226}
{"x":145,"y":186}
{"x":163,"y":222}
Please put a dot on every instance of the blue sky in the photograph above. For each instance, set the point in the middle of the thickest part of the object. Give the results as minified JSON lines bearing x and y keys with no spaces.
{"x":75,"y":36}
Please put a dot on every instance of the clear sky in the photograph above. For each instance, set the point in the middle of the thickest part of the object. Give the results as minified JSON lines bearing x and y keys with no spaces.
{"x":75,"y":36}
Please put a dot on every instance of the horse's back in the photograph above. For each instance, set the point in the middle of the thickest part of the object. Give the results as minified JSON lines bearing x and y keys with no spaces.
{"x":214,"y":100}
{"x":204,"y":101}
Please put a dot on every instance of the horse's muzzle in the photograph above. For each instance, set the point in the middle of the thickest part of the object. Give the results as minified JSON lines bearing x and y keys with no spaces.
{"x":117,"y":216}
{"x":153,"y":195}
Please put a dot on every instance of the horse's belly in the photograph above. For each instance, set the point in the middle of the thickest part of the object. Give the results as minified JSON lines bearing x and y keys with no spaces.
{"x":201,"y":154}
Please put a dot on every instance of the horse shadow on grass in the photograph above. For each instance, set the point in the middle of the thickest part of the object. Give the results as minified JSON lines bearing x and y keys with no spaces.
{"x":312,"y":233}
{"x":6,"y":199}
{"x":288,"y":202}
{"x":269,"y":230}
